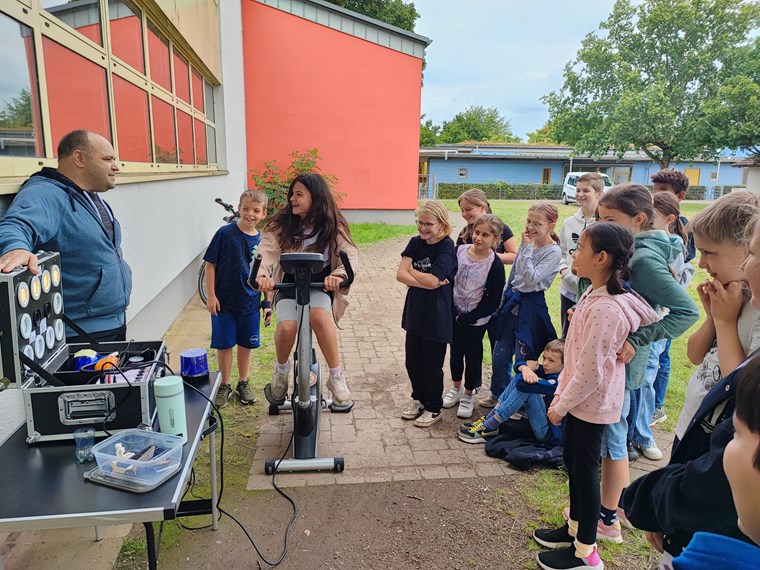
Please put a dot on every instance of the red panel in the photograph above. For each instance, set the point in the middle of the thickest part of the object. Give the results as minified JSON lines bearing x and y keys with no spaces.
{"x":132,"y":121}
{"x":181,"y":78}
{"x":200,"y":142}
{"x":307,"y":85}
{"x":198,"y":92}
{"x":159,"y":59}
{"x":163,"y":127}
{"x":92,"y":32}
{"x":126,"y":41}
{"x":185,"y":132}
{"x":80,"y":104}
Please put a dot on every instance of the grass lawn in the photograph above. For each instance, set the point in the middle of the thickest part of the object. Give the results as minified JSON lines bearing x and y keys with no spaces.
{"x":372,"y":233}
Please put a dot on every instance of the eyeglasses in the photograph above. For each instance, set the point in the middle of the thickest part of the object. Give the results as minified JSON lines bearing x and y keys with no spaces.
{"x":537,"y":225}
{"x":426,"y":225}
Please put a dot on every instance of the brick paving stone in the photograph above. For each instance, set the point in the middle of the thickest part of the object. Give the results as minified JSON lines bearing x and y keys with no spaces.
{"x":427,"y":458}
{"x":434,"y":472}
{"x":461,"y":471}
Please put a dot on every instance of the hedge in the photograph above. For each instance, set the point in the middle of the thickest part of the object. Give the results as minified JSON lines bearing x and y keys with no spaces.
{"x":503,"y":191}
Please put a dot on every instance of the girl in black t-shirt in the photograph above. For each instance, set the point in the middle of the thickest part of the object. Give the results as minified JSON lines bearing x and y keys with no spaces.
{"x":428,"y":264}
{"x":473,"y":204}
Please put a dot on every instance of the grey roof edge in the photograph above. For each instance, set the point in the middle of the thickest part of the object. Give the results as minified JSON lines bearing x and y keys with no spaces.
{"x":422,"y":40}
{"x":519,"y":152}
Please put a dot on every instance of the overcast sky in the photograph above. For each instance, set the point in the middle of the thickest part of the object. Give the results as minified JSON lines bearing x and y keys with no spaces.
{"x":501,"y":53}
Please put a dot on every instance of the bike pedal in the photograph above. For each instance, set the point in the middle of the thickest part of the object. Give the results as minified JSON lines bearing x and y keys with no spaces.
{"x":336,"y":409}
{"x":270,"y":398}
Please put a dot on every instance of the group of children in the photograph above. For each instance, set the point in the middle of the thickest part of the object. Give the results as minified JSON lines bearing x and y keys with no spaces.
{"x":310,"y":221}
{"x":623,"y":260}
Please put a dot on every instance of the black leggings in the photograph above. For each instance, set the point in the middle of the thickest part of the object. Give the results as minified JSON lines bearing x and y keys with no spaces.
{"x":583,"y":445}
{"x":424,"y":364}
{"x":564,"y":305}
{"x":467,"y":348}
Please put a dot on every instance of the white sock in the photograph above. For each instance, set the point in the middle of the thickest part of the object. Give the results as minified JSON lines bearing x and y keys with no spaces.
{"x":336,"y":371}
{"x":282,"y":368}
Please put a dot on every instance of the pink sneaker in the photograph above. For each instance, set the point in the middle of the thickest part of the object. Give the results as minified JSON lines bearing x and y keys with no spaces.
{"x":624,"y":519}
{"x":610,"y":533}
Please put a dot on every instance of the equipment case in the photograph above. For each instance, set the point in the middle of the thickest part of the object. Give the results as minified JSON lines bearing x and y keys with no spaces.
{"x":54,"y":412}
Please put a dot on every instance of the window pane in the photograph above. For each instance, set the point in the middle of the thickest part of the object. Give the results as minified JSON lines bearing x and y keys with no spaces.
{"x":185,"y":132}
{"x":132,"y":124}
{"x":163,"y":126}
{"x":200,"y":142}
{"x":209,"y":102}
{"x":181,"y":77}
{"x":126,"y":33}
{"x":84,"y":17}
{"x":158,"y":48}
{"x":197,"y":91}
{"x":80,"y":104}
{"x":20,"y":130}
{"x":211,"y":144}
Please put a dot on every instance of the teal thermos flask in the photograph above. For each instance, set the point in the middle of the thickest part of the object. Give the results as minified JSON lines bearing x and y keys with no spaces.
{"x":170,"y":404}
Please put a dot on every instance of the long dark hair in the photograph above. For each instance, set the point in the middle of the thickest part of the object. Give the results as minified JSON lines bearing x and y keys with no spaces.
{"x":323,"y":217}
{"x":632,"y":200}
{"x":617,"y":242}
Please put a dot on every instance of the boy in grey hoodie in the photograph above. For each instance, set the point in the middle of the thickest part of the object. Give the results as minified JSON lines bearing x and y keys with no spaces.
{"x":589,"y":188}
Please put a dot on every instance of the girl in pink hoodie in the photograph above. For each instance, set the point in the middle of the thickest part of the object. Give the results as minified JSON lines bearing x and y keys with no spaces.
{"x":591,"y":387}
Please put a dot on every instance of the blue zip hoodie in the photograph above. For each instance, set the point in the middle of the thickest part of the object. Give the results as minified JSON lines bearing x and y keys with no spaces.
{"x":50,"y":213}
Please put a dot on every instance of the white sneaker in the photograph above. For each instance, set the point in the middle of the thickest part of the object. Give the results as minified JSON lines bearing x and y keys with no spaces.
{"x":452,"y":397}
{"x":279,"y":384}
{"x":652,"y":453}
{"x":427,"y":419}
{"x":465,"y":407}
{"x":413,"y":410}
{"x":338,"y":385}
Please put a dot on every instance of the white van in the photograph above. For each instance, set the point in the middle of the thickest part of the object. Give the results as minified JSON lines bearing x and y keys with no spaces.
{"x":568,"y":187}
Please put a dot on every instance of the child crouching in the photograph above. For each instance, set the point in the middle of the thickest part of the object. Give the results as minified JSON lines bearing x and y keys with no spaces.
{"x":533,"y":389}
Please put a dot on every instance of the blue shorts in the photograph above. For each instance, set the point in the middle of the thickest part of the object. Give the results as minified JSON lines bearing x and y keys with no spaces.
{"x":229,"y":329}
{"x":615,"y":437}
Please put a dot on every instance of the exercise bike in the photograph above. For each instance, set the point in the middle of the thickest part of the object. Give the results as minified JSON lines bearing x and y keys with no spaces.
{"x":306,"y":402}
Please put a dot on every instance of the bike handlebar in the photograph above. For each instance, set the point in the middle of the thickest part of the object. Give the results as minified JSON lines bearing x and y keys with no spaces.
{"x":313,"y":284}
{"x":230,"y":208}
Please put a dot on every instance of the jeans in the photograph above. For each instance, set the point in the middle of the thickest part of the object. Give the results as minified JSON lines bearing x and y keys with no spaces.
{"x":510,"y":402}
{"x":642,"y":433}
{"x":501,"y":359}
{"x":614,"y":440}
{"x":663,"y":377}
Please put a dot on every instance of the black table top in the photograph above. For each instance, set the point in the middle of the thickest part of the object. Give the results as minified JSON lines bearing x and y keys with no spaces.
{"x":43,"y":484}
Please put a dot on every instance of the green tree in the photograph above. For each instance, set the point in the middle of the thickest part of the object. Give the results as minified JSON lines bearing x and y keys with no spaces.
{"x":477,"y":123}
{"x":17,"y":113}
{"x":395,"y":12}
{"x":643,"y":81}
{"x":732,"y":118}
{"x":544,"y":135}
{"x":275,"y":180}
{"x":428,"y":132}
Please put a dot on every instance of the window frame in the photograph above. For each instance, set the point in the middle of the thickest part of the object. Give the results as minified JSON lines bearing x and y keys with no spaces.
{"x":31,"y":14}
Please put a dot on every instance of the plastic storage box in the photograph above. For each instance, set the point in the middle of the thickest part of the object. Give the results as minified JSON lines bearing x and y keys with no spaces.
{"x":156,"y":456}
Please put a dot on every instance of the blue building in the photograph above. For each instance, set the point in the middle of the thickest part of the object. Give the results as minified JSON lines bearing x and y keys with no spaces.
{"x":474,"y":163}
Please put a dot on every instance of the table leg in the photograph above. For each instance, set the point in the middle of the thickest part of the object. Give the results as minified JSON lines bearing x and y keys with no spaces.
{"x":214,"y":491}
{"x":150,"y":542}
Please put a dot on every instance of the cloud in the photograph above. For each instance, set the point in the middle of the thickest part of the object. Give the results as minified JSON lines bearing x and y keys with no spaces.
{"x":502,"y":53}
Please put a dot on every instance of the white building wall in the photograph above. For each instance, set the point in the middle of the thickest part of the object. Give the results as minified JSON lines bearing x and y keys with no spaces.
{"x":168,"y":224}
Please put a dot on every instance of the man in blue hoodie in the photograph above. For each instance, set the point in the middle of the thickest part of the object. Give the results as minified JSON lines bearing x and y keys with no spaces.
{"x":61,"y":210}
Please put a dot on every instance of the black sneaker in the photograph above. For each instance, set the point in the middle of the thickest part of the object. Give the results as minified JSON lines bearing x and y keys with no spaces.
{"x":565,"y":559}
{"x":554,"y":537}
{"x":223,"y":396}
{"x":633,"y":453}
